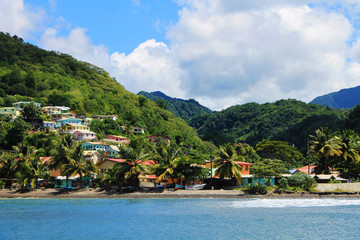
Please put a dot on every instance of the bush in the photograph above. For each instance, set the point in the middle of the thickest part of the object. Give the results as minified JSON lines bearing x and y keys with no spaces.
{"x":256,"y":188}
{"x":301,"y":180}
{"x":283,"y":183}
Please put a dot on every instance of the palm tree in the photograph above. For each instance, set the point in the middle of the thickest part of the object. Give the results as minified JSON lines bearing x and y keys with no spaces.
{"x":62,"y":156}
{"x":325,"y":145}
{"x":168,"y":158}
{"x":115,"y":176}
{"x":78,"y":164}
{"x":7,"y":165}
{"x":135,"y":154}
{"x":226,"y":165}
{"x":350,"y":146}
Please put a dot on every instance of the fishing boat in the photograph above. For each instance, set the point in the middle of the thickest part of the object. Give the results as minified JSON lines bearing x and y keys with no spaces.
{"x":195,"y":186}
{"x":177,"y":186}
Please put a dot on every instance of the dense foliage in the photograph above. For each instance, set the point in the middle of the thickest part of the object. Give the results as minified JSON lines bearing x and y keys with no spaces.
{"x":185,"y":109}
{"x":285,"y":120}
{"x":53,"y":78}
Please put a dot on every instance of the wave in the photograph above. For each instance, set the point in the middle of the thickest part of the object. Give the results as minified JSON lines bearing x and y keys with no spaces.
{"x":283,"y":203}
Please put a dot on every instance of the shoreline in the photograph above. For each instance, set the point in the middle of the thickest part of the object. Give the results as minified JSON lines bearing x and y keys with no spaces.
{"x":210,"y":194}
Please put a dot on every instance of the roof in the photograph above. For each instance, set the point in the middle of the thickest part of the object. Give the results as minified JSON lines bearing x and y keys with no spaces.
{"x":85,"y":131}
{"x":116,"y":136}
{"x":75,"y":124}
{"x":45,"y":159}
{"x":115,"y":148}
{"x":324,"y":176}
{"x":96,"y":143}
{"x":305,"y":169}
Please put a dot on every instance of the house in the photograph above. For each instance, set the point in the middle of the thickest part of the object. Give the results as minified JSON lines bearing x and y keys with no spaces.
{"x":60,"y":116}
{"x":73,"y":127}
{"x":49,"y":124}
{"x":156,"y":138}
{"x":19,"y":105}
{"x":55,"y":109}
{"x":326,"y":178}
{"x":12,"y":112}
{"x":103,"y":117}
{"x":310,"y":170}
{"x":138,"y":130}
{"x":84,"y":135}
{"x":119,"y":139}
{"x":109,"y":150}
{"x":246,"y":177}
{"x":70,"y":120}
{"x":92,"y":155}
{"x":145,"y":180}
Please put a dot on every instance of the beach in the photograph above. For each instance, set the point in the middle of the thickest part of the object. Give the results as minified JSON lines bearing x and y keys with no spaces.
{"x":99,"y":193}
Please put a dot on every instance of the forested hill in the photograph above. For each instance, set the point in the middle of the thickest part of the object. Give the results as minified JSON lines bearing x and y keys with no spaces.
{"x":345,"y":98}
{"x":51,"y":78}
{"x":185,"y":109}
{"x":286,"y":120}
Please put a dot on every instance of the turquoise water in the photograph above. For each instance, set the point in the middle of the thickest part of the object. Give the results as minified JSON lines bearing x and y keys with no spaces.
{"x":179,"y":219}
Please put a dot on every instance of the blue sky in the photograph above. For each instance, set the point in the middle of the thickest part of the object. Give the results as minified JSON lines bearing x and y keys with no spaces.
{"x":219,"y":52}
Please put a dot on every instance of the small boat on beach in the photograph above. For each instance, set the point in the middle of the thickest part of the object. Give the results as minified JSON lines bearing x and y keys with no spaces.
{"x":195,"y":187}
{"x":177,"y":186}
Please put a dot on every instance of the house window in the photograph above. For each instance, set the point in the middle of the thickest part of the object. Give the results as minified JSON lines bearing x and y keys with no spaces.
{"x":246,"y":168}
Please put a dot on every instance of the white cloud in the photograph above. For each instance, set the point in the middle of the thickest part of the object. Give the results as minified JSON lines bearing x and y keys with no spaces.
{"x":78,"y":45}
{"x":226,"y":52}
{"x":149,"y":67}
{"x":262,"y":53}
{"x":17,"y":18}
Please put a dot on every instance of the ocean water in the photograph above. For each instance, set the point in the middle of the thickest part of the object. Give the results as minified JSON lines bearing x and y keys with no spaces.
{"x":179,"y":219}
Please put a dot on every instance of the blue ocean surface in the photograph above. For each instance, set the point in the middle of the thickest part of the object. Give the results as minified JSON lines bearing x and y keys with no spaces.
{"x":179,"y":219}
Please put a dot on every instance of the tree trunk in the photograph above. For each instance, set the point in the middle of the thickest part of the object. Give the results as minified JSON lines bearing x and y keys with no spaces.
{"x":81,"y":181}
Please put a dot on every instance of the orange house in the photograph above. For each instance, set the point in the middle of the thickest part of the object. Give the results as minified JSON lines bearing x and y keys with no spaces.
{"x":244,"y":165}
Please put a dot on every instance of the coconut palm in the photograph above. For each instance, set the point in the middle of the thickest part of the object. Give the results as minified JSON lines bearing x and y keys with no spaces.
{"x":115,"y":176}
{"x":325,"y":145}
{"x":78,"y":164}
{"x":7,"y":165}
{"x":168,"y":158}
{"x":226,"y":165}
{"x":62,"y":156}
{"x":350,"y":147}
{"x":135,"y":154}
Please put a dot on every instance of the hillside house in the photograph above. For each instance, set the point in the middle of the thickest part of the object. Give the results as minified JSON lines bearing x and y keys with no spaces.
{"x":55,"y":109}
{"x":119,"y":139}
{"x":71,"y":120}
{"x":72,"y":127}
{"x":19,"y":105}
{"x":12,"y":112}
{"x":84,"y":135}
{"x":61,"y":116}
{"x":49,"y":124}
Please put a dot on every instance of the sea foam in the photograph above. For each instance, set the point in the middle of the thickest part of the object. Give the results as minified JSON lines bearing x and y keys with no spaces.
{"x":283,"y":203}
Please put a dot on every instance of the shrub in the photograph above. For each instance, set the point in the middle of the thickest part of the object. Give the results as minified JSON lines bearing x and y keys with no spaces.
{"x":283,"y":183}
{"x":256,"y":188}
{"x":301,"y":180}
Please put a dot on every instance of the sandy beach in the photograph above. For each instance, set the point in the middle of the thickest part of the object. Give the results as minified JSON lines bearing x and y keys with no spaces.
{"x":98,"y":193}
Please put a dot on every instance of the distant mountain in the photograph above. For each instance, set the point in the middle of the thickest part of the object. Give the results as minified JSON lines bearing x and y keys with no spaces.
{"x":185,"y":109}
{"x":345,"y":98}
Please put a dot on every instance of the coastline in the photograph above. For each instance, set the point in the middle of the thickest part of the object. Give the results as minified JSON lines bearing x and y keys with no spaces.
{"x":230,"y":194}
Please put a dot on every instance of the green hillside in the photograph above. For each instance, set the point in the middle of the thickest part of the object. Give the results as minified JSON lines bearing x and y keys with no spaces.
{"x":185,"y":109}
{"x":286,"y":120}
{"x":52,"y":78}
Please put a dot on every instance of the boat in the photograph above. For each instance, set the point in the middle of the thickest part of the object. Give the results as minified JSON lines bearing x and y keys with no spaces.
{"x":195,"y":186}
{"x":177,"y":186}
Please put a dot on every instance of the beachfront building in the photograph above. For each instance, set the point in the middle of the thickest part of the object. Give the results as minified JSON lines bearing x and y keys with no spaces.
{"x":145,"y":180}
{"x":84,"y":135}
{"x":12,"y":112}
{"x":246,"y":177}
{"x":19,"y":105}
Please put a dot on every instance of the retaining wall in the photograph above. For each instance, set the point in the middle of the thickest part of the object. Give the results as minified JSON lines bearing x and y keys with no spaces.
{"x":333,"y":187}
